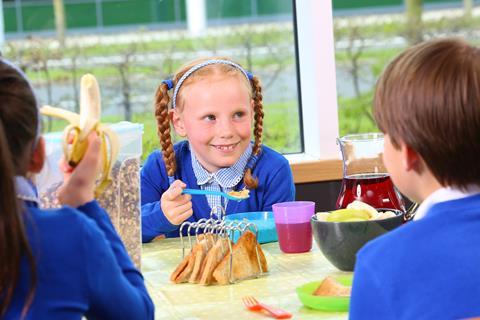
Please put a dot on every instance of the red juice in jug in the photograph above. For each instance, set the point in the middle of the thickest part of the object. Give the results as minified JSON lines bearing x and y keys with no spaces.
{"x":294,"y":237}
{"x":374,"y":189}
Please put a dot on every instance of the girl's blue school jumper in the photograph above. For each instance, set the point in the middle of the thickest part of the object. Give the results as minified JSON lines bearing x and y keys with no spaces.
{"x":426,"y":269}
{"x":82,"y":268}
{"x":275,"y":184}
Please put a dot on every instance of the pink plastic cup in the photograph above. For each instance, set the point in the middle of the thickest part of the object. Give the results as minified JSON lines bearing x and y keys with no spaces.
{"x":292,"y":220}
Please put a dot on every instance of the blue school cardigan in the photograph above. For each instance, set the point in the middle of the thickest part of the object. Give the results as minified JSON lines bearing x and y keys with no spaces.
{"x":274,"y":179}
{"x":82,"y":268}
{"x":426,"y":269}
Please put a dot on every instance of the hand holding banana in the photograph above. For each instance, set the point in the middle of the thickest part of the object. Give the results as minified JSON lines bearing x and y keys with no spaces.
{"x":80,"y":125}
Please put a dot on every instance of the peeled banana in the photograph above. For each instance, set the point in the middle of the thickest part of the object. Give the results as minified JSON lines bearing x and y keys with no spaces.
{"x":80,"y":125}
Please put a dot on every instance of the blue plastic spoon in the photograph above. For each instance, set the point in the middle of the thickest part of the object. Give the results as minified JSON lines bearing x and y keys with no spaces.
{"x":216,"y":193}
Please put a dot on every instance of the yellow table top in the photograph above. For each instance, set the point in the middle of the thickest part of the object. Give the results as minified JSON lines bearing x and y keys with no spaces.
{"x":194,"y":301}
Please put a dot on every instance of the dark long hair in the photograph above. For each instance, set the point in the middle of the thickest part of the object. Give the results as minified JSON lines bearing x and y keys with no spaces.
{"x":18,"y":131}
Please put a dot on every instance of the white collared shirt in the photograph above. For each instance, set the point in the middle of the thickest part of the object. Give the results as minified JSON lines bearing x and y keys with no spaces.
{"x":222,"y":180}
{"x":442,"y":195}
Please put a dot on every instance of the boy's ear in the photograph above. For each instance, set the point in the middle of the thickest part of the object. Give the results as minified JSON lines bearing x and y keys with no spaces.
{"x":178,"y":123}
{"x":411,"y":160}
{"x":38,"y":157}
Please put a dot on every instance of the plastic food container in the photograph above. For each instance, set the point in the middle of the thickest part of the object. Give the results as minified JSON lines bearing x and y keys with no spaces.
{"x":121,"y":199}
{"x":264,"y":222}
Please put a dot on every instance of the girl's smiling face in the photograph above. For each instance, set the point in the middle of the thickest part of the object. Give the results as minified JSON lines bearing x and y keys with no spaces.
{"x":215,"y":114}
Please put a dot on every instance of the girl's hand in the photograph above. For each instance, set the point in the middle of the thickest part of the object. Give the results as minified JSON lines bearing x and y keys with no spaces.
{"x":176,"y":206}
{"x":79,"y":182}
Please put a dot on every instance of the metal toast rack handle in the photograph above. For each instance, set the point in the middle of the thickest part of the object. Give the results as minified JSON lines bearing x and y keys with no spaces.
{"x":218,"y":227}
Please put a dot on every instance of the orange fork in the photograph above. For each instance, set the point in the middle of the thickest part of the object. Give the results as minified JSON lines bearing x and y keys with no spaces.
{"x":254,"y":305}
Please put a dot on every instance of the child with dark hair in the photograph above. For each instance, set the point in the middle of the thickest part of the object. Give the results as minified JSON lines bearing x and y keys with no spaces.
{"x":213,"y":104}
{"x":64,"y":263}
{"x":427,"y":102}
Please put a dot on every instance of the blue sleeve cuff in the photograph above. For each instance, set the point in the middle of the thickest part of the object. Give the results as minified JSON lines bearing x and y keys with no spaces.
{"x":154,"y":222}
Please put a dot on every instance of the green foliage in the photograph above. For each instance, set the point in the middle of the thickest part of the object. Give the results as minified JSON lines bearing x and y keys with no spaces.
{"x":282,"y":122}
{"x":282,"y":127}
{"x":355,"y":115}
{"x":280,"y":132}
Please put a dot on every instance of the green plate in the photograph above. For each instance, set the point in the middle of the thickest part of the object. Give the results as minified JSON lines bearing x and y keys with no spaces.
{"x":324,"y":303}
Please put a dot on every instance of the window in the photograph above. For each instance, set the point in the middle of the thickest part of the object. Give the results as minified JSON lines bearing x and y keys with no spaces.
{"x":131,"y":54}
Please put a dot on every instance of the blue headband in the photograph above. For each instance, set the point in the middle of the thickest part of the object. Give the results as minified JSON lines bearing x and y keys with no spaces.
{"x":169,"y":83}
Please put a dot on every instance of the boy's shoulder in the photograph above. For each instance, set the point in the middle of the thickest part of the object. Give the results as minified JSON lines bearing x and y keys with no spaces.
{"x":445,"y":221}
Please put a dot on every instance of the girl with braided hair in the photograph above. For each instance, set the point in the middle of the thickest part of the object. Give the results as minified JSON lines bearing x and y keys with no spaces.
{"x":213,"y":104}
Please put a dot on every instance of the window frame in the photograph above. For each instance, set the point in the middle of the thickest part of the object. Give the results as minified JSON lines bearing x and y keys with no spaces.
{"x":316,"y":74}
{"x":313,"y":21}
{"x":316,"y":77}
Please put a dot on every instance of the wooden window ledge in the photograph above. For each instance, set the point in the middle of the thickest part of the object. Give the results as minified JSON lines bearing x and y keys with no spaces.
{"x":317,"y":170}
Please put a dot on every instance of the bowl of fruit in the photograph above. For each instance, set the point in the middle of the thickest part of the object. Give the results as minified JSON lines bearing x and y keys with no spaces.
{"x":341,"y":233}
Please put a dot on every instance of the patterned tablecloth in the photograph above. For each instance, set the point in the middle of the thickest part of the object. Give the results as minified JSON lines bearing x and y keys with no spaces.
{"x":194,"y":301}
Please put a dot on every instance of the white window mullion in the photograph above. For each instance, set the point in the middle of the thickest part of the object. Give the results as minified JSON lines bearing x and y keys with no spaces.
{"x":316,"y":52}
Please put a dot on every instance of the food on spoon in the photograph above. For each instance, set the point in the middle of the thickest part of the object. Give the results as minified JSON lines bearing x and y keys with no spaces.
{"x":330,"y":287}
{"x":355,"y":211}
{"x":80,"y":126}
{"x":242,"y":194}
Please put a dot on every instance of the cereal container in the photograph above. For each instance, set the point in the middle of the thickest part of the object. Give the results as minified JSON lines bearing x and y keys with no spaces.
{"x":121,"y":199}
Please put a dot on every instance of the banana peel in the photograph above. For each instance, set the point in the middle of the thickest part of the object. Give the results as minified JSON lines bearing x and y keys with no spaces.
{"x":75,"y":134}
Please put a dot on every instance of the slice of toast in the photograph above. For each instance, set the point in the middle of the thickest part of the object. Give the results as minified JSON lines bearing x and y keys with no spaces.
{"x":183,"y":271}
{"x":330,"y":287}
{"x":245,"y":260}
{"x":201,"y":252}
{"x":180,"y":267}
{"x":187,"y":271}
{"x":213,"y":258}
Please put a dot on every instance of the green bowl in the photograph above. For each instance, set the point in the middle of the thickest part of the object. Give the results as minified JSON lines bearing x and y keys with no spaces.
{"x":324,"y":303}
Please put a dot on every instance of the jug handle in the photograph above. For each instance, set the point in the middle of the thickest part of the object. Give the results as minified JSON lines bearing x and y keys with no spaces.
{"x":410,"y":213}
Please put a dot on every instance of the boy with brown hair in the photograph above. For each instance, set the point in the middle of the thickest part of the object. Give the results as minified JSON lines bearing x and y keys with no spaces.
{"x":427,"y":102}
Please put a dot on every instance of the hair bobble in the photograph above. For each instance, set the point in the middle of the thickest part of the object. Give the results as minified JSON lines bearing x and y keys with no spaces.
{"x":249,"y":75}
{"x":169,"y":83}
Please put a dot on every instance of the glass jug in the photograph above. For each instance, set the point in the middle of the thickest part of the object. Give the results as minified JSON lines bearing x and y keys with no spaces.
{"x":365,"y":178}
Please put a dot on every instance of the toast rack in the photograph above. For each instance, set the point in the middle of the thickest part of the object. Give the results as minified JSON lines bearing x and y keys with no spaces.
{"x":217,"y":227}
